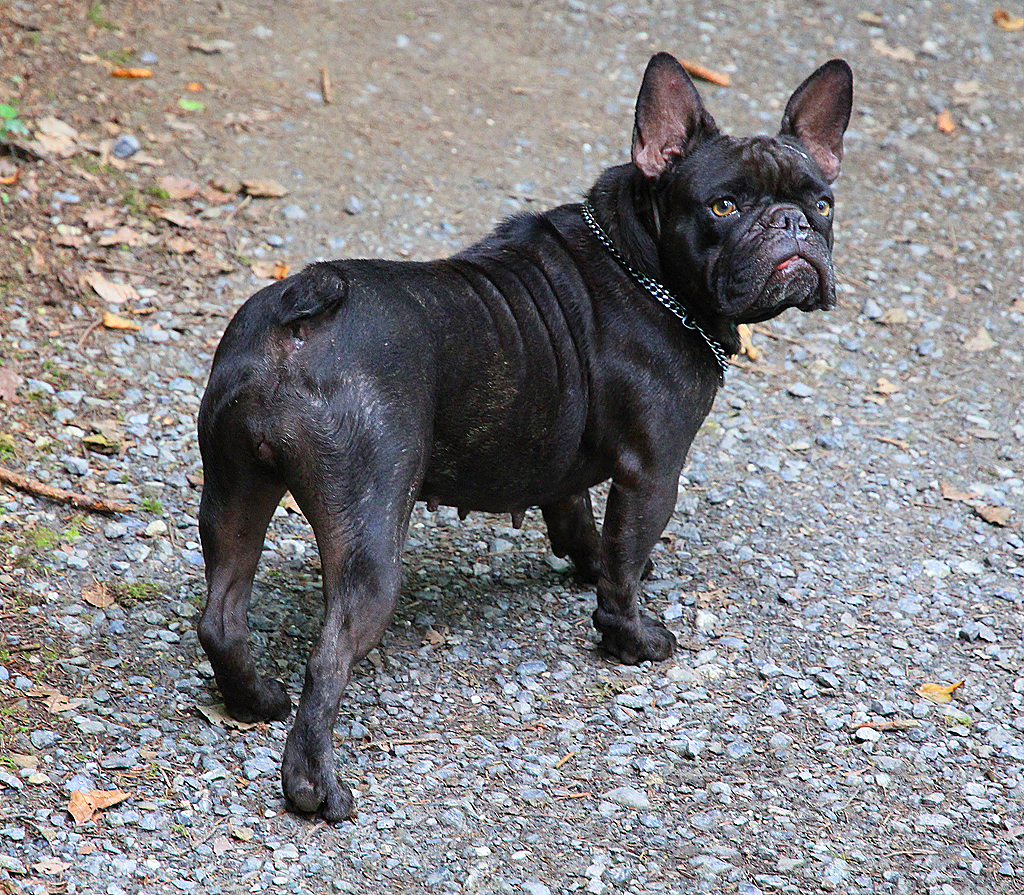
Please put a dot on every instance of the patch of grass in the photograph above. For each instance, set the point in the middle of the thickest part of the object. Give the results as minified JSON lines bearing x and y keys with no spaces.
{"x":8,"y":448}
{"x":157,"y":192}
{"x":131,"y":593}
{"x":151,"y":505}
{"x":42,"y":537}
{"x":95,"y":15}
{"x":118,"y":57}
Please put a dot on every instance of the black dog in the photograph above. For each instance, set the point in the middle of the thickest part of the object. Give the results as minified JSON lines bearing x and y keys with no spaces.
{"x":566,"y":349}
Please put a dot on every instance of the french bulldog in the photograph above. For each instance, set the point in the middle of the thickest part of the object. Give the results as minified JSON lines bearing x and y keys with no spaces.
{"x":566,"y":349}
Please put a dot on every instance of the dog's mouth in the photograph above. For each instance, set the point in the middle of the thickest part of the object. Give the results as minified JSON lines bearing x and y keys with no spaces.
{"x":799,"y":281}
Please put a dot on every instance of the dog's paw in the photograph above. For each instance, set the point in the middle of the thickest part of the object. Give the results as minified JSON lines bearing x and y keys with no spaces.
{"x":632,"y":641}
{"x":311,"y":786}
{"x":267,"y":701}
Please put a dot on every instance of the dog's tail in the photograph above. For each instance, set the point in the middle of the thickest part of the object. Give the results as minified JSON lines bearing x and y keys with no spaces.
{"x":318,"y":289}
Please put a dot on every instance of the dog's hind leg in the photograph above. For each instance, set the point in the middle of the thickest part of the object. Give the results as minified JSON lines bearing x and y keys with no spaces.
{"x":358,"y":501}
{"x":237,"y":504}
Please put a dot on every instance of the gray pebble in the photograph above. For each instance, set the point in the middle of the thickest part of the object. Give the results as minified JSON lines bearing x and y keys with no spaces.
{"x":125,"y":146}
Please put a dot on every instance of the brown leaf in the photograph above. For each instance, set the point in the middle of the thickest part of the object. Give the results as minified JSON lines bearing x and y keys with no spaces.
{"x":900,"y":54}
{"x":270,"y":270}
{"x":980,"y":341}
{"x":119,"y":71}
{"x":54,"y":700}
{"x":98,"y":594}
{"x":434,"y":638}
{"x":939,"y":693}
{"x":218,"y":716}
{"x":951,"y":493}
{"x":944,"y":121}
{"x":175,"y":216}
{"x":56,"y":137}
{"x":289,"y":505}
{"x":894,"y":317}
{"x":178,"y":187}
{"x":84,"y":806}
{"x":51,"y":867}
{"x":870,"y":18}
{"x":99,"y":218}
{"x":747,"y":345}
{"x":995,"y":515}
{"x":116,"y":321}
{"x":885,"y":387}
{"x":264,"y":189}
{"x":180,"y":245}
{"x":10,"y":382}
{"x":1007,"y":22}
{"x":113,"y":293}
{"x":125,"y":236}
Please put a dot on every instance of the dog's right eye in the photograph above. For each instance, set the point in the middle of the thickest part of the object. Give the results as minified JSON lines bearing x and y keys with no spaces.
{"x":723,"y":207}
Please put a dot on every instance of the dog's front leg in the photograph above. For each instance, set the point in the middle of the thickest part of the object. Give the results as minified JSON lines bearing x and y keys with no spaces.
{"x":634,"y":520}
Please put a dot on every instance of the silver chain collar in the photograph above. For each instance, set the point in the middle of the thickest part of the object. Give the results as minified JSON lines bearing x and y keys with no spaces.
{"x":656,"y":290}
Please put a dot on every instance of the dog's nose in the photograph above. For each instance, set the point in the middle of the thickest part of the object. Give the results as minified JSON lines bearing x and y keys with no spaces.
{"x":786,"y":217}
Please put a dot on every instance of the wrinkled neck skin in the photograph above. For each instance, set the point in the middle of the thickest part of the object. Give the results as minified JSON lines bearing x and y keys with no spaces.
{"x":625,"y":203}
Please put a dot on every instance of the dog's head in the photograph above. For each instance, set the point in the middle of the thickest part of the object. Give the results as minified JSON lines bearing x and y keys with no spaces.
{"x":744,"y":226}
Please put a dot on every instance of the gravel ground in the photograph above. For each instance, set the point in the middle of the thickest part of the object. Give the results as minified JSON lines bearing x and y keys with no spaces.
{"x":847,"y":530}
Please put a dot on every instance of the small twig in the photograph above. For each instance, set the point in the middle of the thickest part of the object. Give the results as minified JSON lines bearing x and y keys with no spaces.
{"x":80,"y":501}
{"x":895,"y":724}
{"x":764,"y":331}
{"x":706,"y":74}
{"x":325,"y":84}
{"x":87,"y":333}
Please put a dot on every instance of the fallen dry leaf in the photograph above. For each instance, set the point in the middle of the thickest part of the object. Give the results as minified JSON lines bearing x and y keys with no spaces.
{"x":1007,"y":22}
{"x":51,"y":867}
{"x":181,"y":246}
{"x":870,"y":18}
{"x":434,"y":638}
{"x":980,"y":341}
{"x":894,"y":317}
{"x":264,"y":189}
{"x":175,"y":216}
{"x":84,"y":806}
{"x":939,"y":693}
{"x":98,"y":594}
{"x":270,"y":270}
{"x":10,"y":382}
{"x":114,"y":293}
{"x":900,"y":54}
{"x":885,"y":387}
{"x":116,"y":321}
{"x":178,"y":187}
{"x":944,"y":121}
{"x":119,"y":71}
{"x":218,"y":716}
{"x":99,"y":218}
{"x":994,"y":515}
{"x":747,"y":345}
{"x":951,"y":493}
{"x":54,"y":700}
{"x":125,"y":236}
{"x":289,"y":505}
{"x":56,"y":137}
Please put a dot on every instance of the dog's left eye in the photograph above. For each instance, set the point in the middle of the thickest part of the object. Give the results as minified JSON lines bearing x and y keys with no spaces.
{"x":723,"y":207}
{"x":825,"y":208}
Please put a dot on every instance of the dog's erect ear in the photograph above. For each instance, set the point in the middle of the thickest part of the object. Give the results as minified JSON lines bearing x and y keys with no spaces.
{"x":819,"y":111}
{"x":670,"y":116}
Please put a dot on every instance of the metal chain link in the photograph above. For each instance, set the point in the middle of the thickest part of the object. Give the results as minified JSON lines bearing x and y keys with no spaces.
{"x":656,"y":290}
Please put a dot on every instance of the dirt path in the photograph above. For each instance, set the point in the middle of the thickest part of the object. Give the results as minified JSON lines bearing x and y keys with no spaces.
{"x":848,"y":526}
